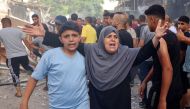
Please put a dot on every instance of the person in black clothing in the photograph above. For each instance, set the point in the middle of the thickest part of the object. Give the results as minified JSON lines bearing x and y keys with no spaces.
{"x":109,"y":85}
{"x":120,"y":21}
{"x":106,"y":19}
{"x":166,"y":90}
{"x":183,"y":26}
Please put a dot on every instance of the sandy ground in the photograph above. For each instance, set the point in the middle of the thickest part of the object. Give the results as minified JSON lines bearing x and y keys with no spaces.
{"x":39,"y":99}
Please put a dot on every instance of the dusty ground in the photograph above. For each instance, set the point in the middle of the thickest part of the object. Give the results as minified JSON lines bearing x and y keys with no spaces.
{"x":39,"y":99}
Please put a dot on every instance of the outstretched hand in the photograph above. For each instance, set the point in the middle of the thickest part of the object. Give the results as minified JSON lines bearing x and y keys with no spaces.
{"x":34,"y":30}
{"x":161,"y":30}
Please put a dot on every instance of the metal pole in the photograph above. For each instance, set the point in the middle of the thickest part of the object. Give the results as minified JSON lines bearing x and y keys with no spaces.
{"x":134,"y":5}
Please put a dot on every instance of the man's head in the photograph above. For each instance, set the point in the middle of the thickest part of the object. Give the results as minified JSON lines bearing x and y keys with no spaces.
{"x":110,"y":18}
{"x":35,"y":19}
{"x":119,"y":18}
{"x":183,"y":23}
{"x":88,"y":20}
{"x":69,"y":36}
{"x":80,"y":21}
{"x":6,"y":22}
{"x":74,"y":17}
{"x":142,"y":18}
{"x":59,"y":21}
{"x":154,"y":13}
{"x":106,"y":17}
{"x":99,"y":21}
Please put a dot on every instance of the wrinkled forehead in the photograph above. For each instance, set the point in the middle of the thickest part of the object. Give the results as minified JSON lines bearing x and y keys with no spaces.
{"x":106,"y":31}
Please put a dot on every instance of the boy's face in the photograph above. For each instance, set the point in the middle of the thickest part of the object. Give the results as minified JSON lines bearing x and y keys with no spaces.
{"x":71,"y":40}
{"x":183,"y":26}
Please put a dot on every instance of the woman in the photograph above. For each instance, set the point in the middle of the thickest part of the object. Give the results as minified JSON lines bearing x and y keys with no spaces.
{"x":108,"y":64}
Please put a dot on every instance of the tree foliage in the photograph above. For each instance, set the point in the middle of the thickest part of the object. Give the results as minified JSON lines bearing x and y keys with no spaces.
{"x":81,"y":7}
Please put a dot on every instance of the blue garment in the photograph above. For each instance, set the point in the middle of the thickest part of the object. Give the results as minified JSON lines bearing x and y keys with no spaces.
{"x":186,"y":66}
{"x":67,"y":84}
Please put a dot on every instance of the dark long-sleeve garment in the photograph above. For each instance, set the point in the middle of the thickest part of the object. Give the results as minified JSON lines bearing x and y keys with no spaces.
{"x":52,"y":39}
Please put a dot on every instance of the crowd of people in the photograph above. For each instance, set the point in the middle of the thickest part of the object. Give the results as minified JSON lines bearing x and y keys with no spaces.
{"x":89,"y":64}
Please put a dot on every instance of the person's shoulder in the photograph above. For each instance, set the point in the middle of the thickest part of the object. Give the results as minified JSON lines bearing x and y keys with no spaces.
{"x":15,"y":29}
{"x":52,"y":51}
{"x":170,"y":37}
{"x":11,"y":29}
{"x":125,"y":32}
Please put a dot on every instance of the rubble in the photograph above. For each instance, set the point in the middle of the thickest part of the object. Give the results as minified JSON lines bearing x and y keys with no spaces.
{"x":38,"y":100}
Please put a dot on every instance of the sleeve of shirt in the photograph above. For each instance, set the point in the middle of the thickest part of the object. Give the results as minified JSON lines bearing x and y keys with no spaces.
{"x":81,"y":48}
{"x":146,"y":52}
{"x":83,"y":34}
{"x":42,"y":67}
{"x":22,"y":35}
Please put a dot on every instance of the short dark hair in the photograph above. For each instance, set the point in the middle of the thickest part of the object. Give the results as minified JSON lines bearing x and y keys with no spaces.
{"x":69,"y":25}
{"x":131,"y":17}
{"x":156,"y":10}
{"x":106,"y":13}
{"x":60,"y":20}
{"x":35,"y":15}
{"x":89,"y":19}
{"x":111,"y":15}
{"x":119,"y":12}
{"x":142,"y":18}
{"x":184,"y":19}
{"x":74,"y":16}
{"x":79,"y":19}
{"x":6,"y":20}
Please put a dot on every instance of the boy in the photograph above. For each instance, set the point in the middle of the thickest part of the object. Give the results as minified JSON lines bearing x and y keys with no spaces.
{"x":65,"y":68}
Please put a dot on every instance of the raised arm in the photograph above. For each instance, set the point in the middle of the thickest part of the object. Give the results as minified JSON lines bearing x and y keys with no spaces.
{"x":181,"y":37}
{"x":167,"y":73}
{"x":150,"y":48}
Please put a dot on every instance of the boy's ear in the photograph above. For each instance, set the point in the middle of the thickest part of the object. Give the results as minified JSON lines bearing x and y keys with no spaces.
{"x":60,"y":38}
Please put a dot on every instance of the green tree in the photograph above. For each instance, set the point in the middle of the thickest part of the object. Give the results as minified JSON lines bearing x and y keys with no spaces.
{"x":81,"y":7}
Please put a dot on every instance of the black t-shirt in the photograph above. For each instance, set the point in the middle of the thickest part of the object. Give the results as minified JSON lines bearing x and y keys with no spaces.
{"x":173,"y":50}
{"x":99,"y":29}
{"x":125,"y":38}
{"x":52,"y":39}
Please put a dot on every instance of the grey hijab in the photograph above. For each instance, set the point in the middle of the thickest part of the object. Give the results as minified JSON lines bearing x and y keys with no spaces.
{"x":105,"y":71}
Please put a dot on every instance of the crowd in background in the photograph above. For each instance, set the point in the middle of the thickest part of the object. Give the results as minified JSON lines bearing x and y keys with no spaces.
{"x":114,"y":49}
